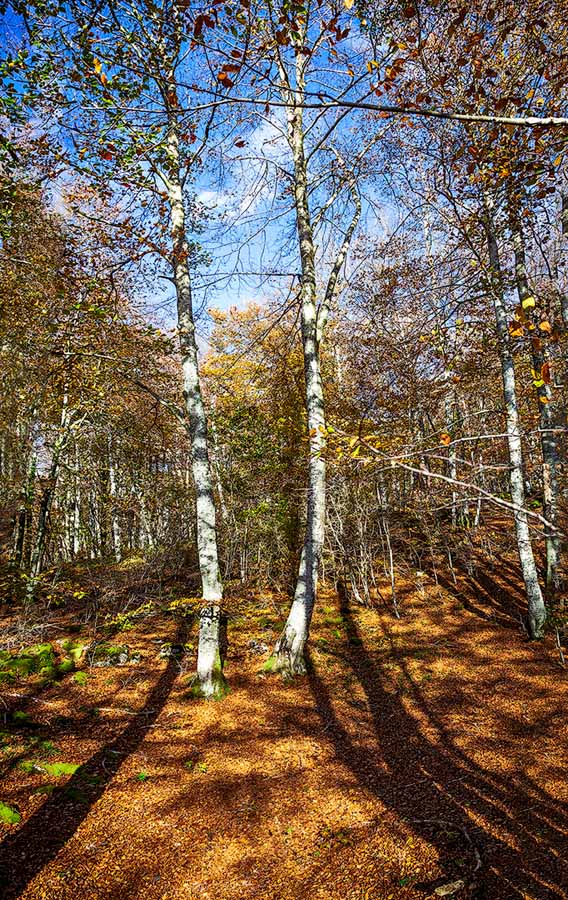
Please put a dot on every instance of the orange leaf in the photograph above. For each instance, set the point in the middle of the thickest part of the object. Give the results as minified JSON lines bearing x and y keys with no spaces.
{"x":545,"y":373}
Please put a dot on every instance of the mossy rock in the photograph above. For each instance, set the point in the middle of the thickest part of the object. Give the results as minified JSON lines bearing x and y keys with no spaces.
{"x":33,"y":660}
{"x":75,"y":650}
{"x":40,"y":659}
{"x":106,"y":655}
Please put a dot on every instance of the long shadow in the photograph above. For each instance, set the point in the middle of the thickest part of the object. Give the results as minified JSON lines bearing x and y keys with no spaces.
{"x":25,"y":853}
{"x":502,"y":604}
{"x":498,"y":611}
{"x":521,"y":834}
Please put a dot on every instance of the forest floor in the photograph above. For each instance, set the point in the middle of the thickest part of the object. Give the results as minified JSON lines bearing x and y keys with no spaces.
{"x":418,"y":755}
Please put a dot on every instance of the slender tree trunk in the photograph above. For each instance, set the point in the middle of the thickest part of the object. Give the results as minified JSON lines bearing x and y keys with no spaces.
{"x":564,"y":242}
{"x":114,"y":521}
{"x":210,"y":679}
{"x":449,"y":413}
{"x":536,"y":607}
{"x":24,"y":518}
{"x":76,"y":517}
{"x":38,"y":548}
{"x":288,"y":656}
{"x":547,"y":420}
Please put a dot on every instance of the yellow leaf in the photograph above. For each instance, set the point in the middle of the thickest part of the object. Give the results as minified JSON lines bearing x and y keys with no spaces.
{"x":529,"y":303}
{"x":544,"y":399}
{"x":348,"y":4}
{"x":97,"y":66}
{"x":445,"y":439}
{"x":546,"y":327}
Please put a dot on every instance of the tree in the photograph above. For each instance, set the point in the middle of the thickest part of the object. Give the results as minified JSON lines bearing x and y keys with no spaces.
{"x":115,"y":74}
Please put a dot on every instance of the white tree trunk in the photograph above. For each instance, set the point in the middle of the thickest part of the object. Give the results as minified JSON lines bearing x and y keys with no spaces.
{"x":114,"y":521}
{"x":210,"y":680}
{"x":547,"y":432}
{"x":288,"y":656}
{"x":536,"y":606}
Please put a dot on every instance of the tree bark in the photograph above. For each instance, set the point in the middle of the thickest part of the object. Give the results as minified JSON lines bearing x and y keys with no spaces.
{"x":210,"y":679}
{"x":38,"y":548}
{"x":536,"y":607}
{"x":288,"y":656}
{"x":547,"y":423}
{"x":114,"y":521}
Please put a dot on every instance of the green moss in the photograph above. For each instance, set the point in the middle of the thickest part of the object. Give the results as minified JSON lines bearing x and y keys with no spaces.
{"x":56,"y":770}
{"x":32,"y":660}
{"x":9,"y":815}
{"x":220,"y":688}
{"x":271,"y":664}
{"x":40,"y":659}
{"x":65,"y":666}
{"x":75,"y":649}
{"x":60,"y":768}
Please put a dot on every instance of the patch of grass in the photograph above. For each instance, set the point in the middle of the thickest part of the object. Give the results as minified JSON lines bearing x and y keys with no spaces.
{"x":56,"y":770}
{"x":142,"y":776}
{"x":8,"y":815}
{"x":60,"y":768}
{"x":81,"y":678}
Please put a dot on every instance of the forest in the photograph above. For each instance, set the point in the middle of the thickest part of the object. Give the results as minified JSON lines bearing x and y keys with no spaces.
{"x":283,"y":449}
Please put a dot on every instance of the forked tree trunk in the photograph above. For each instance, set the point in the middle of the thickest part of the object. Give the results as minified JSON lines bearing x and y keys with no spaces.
{"x":536,"y":606}
{"x":210,"y":679}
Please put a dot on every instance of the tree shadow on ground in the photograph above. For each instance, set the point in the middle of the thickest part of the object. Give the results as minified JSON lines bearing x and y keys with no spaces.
{"x":520,"y":832}
{"x":24,"y":853}
{"x":500,"y":598}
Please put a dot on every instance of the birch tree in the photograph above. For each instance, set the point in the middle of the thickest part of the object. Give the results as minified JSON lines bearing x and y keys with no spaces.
{"x":114,"y":74}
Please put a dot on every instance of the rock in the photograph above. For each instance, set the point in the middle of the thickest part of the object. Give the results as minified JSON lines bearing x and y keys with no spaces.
{"x":448,"y":890}
{"x":171,"y":651}
{"x":257,"y":647}
{"x":106,"y":655}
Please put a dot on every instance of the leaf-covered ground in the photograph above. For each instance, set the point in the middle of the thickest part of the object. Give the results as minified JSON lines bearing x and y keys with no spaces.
{"x":420,"y":755}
